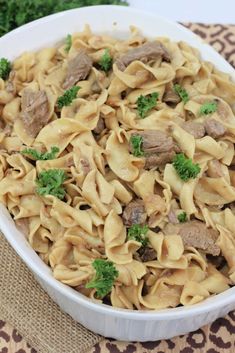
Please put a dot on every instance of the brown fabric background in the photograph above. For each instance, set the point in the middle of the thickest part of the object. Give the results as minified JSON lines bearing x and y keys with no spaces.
{"x":25,"y":306}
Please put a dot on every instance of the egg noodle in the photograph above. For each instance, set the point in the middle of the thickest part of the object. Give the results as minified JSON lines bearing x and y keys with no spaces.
{"x":141,"y":167}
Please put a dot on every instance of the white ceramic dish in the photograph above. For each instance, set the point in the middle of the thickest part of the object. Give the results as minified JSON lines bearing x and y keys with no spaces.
{"x":105,"y":320}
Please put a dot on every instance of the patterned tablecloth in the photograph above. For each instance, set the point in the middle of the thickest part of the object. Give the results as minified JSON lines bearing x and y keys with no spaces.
{"x":219,"y":337}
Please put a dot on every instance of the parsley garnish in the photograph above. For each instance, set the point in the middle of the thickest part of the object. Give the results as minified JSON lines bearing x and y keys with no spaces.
{"x":208,"y":108}
{"x":136,"y":143}
{"x":182,"y":217}
{"x":50,"y":183}
{"x":105,"y":276}
{"x":185,"y":167}
{"x":16,"y":13}
{"x":138,"y":233}
{"x":106,"y":61}
{"x":68,"y":97}
{"x":68,"y":43}
{"x":5,"y":68}
{"x":182,"y":93}
{"x":39,"y":155}
{"x":146,"y":103}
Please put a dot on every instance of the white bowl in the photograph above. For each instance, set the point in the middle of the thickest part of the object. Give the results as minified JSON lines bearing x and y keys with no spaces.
{"x":108,"y":321}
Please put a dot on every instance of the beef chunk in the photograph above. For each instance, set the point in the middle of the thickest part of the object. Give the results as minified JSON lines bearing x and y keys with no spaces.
{"x":146,"y":52}
{"x":171,"y":97}
{"x":147,"y":254}
{"x":218,"y":261}
{"x":196,"y":234}
{"x":195,"y":129}
{"x":99,"y":127}
{"x":172,"y":217}
{"x":134,"y":213}
{"x":155,"y":141}
{"x":78,"y":69}
{"x":35,"y":111}
{"x":154,"y":160}
{"x":214,"y":128}
{"x":159,"y":148}
{"x":85,"y":165}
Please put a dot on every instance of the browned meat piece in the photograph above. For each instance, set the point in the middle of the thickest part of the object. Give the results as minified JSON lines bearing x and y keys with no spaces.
{"x":147,"y":254}
{"x":78,"y":69}
{"x":159,"y":148}
{"x":35,"y":111}
{"x":155,"y":160}
{"x":214,"y":128}
{"x":171,"y":97}
{"x":146,"y":52}
{"x":86,"y":168}
{"x":196,"y":234}
{"x":214,"y":169}
{"x":195,"y":129}
{"x":155,"y":141}
{"x":134,"y":213}
{"x":172,"y":217}
{"x":218,"y":261}
{"x":99,"y":127}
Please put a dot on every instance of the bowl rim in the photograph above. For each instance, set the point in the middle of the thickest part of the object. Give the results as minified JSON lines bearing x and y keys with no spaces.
{"x":220,"y":300}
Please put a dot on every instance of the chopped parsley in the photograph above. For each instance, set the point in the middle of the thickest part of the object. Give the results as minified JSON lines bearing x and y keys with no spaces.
{"x":39,"y":155}
{"x":208,"y":108}
{"x":185,"y":167}
{"x":68,"y":97}
{"x":182,"y":217}
{"x":138,"y":233}
{"x":68,"y":43}
{"x":182,"y":93}
{"x":146,"y":103}
{"x":5,"y":68}
{"x":136,"y":144}
{"x":105,"y":276}
{"x":50,"y":182}
{"x":106,"y":61}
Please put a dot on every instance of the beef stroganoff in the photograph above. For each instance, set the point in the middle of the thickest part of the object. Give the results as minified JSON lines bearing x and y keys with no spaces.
{"x":117,"y":163}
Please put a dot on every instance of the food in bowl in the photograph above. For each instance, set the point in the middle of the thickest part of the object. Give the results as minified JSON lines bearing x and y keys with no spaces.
{"x":117,"y":163}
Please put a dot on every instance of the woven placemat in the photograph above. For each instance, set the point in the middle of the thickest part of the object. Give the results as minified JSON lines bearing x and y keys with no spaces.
{"x":25,"y":306}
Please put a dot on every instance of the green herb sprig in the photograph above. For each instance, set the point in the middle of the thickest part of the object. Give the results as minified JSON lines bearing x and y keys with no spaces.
{"x":208,"y":108}
{"x":146,"y":103}
{"x":182,"y":217}
{"x":182,"y":93}
{"x":68,"y":97}
{"x":16,"y":13}
{"x":185,"y":167}
{"x":5,"y":67}
{"x":106,"y":273}
{"x":138,"y":233}
{"x":68,"y":43}
{"x":136,"y":144}
{"x":50,"y":182}
{"x":39,"y":155}
{"x":106,"y":61}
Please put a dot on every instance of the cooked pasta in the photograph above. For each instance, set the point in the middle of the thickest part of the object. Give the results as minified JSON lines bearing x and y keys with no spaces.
{"x":117,"y":163}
